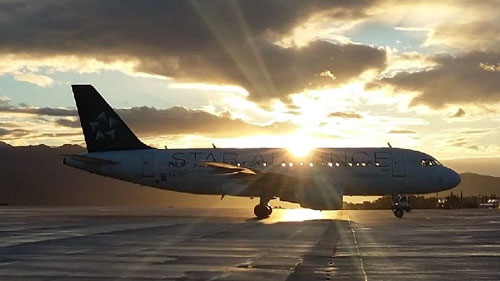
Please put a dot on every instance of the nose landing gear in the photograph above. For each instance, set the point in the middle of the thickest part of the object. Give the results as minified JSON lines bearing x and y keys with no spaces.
{"x":400,"y":204}
{"x":398,"y":212}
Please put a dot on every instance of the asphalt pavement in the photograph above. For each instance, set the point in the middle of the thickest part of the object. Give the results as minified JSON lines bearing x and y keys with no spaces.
{"x":91,"y":243}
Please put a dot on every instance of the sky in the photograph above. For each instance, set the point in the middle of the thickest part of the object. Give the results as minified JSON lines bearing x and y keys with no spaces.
{"x":423,"y":75}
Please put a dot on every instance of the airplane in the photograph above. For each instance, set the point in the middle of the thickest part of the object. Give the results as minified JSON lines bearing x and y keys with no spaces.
{"x":317,"y":180}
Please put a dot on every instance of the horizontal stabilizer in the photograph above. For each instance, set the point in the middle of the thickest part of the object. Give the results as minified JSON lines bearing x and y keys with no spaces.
{"x":228,"y":168}
{"x":89,"y":160}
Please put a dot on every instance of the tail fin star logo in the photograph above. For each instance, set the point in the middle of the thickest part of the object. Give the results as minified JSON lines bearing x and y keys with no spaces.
{"x":104,"y":127}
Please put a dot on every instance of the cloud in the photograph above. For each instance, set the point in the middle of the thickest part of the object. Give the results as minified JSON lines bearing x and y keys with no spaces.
{"x":58,"y":135}
{"x":401,"y":132}
{"x":6,"y":134}
{"x":48,"y":111}
{"x":36,"y":79}
{"x":71,"y":123}
{"x":149,"y":121}
{"x":4,"y":101}
{"x":475,"y":131}
{"x":460,"y":113}
{"x":490,"y":67}
{"x":345,"y":115}
{"x":477,"y":35}
{"x":176,"y":120}
{"x":454,"y":80}
{"x":228,"y":42}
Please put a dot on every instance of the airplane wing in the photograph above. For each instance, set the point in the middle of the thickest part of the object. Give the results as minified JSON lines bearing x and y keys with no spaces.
{"x":89,"y":160}
{"x":228,"y":169}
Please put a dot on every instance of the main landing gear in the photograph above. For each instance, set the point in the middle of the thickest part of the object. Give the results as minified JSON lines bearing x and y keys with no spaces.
{"x":400,"y":204}
{"x":263,"y":210}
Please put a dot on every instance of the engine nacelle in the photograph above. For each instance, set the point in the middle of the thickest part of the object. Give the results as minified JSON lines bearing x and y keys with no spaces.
{"x":317,"y":197}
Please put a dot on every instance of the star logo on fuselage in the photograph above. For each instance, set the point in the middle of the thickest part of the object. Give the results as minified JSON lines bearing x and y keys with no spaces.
{"x":104,"y":127}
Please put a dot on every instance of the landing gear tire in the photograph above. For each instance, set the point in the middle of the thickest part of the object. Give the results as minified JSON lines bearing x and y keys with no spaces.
{"x":262,"y":211}
{"x":398,"y":213}
{"x":269,"y":210}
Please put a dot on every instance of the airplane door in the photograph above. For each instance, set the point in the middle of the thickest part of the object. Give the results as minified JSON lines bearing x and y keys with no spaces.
{"x":398,"y":164}
{"x":148,"y":164}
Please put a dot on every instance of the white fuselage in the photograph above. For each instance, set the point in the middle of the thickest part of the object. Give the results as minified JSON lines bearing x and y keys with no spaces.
{"x":325,"y":171}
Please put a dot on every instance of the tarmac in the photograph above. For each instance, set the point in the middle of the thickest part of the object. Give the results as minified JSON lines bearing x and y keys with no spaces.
{"x":93,"y":243}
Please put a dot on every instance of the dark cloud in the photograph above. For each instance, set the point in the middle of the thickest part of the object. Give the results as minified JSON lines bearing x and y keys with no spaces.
{"x":460,"y":143}
{"x":48,"y":111}
{"x":4,"y":101}
{"x":181,"y":120}
{"x":9,"y":125}
{"x":294,"y":112}
{"x":15,"y":134}
{"x":72,"y":123}
{"x":345,"y":115}
{"x":176,"y":120}
{"x":227,"y":42}
{"x":455,"y":80}
{"x":148,"y":121}
{"x":271,"y":71}
{"x":6,"y":134}
{"x":58,"y":135}
{"x":475,"y":131}
{"x":460,"y":113}
{"x":401,"y":132}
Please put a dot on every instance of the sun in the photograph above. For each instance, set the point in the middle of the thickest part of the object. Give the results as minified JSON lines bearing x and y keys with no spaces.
{"x":299,"y":145}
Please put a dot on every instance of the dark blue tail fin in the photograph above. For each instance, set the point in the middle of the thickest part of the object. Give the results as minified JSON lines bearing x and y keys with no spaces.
{"x":103,"y":129}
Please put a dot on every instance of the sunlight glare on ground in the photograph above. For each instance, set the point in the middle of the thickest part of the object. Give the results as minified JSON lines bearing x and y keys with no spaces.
{"x":288,"y":215}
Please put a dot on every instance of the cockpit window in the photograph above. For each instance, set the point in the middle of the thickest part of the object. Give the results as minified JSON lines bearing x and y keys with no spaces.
{"x":429,"y":162}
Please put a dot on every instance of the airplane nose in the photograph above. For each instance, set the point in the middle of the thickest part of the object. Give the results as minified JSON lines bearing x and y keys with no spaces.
{"x":453,"y":178}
